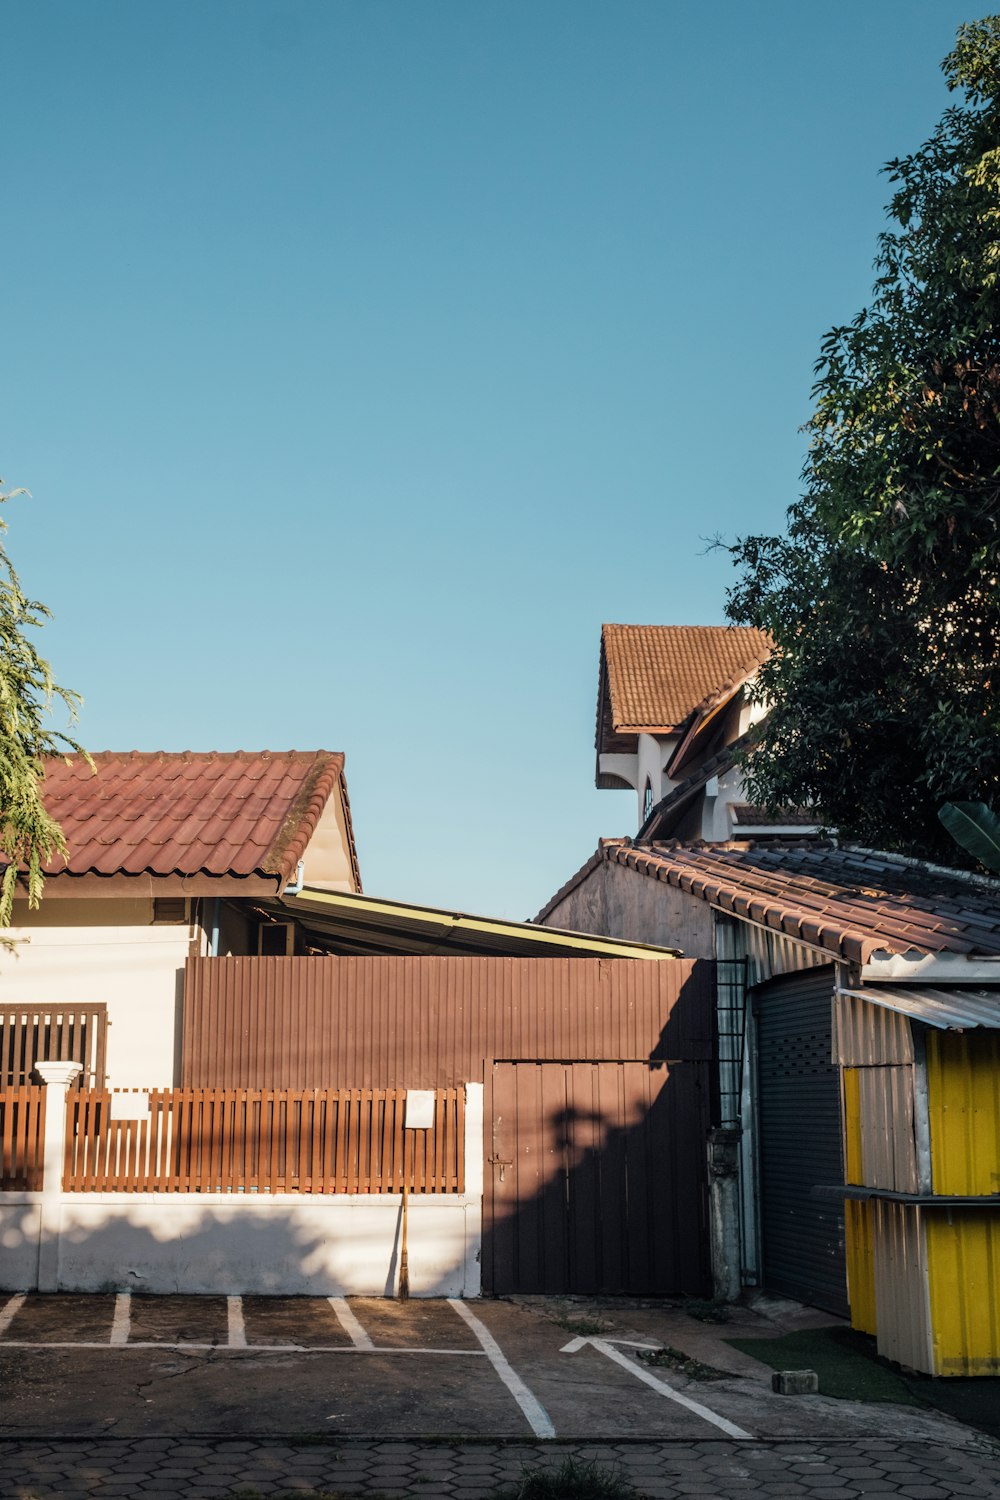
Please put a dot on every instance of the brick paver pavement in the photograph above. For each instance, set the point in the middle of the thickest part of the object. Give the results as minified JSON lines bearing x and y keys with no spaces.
{"x":189,"y":1469}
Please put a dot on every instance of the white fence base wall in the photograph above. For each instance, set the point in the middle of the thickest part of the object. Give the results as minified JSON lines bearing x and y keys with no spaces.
{"x":231,"y":1245}
{"x":20,"y":1236}
{"x":228,"y":1244}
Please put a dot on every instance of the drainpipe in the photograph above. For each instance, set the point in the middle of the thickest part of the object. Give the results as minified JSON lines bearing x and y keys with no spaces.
{"x":295,"y":886}
{"x":213,"y":938}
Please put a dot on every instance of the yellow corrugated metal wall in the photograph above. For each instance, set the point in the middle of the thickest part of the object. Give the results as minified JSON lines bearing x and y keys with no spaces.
{"x":963,"y":1268}
{"x":925,"y":1279}
{"x":963,"y":1244}
{"x":857,"y":1216}
{"x":859,"y":1248}
{"x":963,"y":1086}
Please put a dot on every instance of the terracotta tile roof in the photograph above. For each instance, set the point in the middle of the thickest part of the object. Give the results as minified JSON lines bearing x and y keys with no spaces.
{"x":747,"y":815}
{"x":658,"y":675}
{"x":853,"y":903}
{"x":242,"y":813}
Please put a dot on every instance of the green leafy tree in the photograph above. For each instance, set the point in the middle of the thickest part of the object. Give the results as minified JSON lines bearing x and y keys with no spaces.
{"x":882,"y":597}
{"x":28,"y":835}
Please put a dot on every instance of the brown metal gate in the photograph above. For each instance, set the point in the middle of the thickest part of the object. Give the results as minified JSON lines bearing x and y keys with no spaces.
{"x":595,"y":1178}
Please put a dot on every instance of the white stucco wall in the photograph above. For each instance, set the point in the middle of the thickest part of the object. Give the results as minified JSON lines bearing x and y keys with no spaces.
{"x":327,"y":859}
{"x":230,"y":1244}
{"x":717,"y":800}
{"x":227,"y":1245}
{"x":110,"y":951}
{"x":20,"y":1228}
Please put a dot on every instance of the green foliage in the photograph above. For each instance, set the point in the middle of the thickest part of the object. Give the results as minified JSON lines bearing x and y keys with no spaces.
{"x":28,"y":835}
{"x":882,"y":597}
{"x":668,"y":1358}
{"x":976,"y":827}
{"x":574,"y":1479}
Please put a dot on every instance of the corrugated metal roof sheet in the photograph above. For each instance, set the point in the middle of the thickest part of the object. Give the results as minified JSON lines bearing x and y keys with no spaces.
{"x":658,"y":675}
{"x":850,"y":903}
{"x":369,"y":925}
{"x":239,"y":813}
{"x":865,"y":1036}
{"x":953,"y":1009}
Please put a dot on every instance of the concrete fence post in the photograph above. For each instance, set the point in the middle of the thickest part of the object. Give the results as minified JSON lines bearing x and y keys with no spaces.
{"x":724,"y":1212}
{"x":474,"y":1168}
{"x":57,"y":1077}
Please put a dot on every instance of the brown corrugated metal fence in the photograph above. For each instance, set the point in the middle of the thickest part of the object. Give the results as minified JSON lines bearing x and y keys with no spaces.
{"x":431,"y":1022}
{"x":624,"y":1050}
{"x":595,"y":1178}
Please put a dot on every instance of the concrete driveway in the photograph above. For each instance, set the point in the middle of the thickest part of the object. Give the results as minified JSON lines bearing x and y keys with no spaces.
{"x":136,"y":1366}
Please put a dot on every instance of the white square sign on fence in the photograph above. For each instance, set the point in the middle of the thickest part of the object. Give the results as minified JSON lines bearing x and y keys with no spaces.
{"x":129,"y":1106}
{"x":419,"y":1109}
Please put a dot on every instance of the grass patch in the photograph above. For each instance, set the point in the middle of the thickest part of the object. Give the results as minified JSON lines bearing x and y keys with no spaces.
{"x":845,"y":1361}
{"x":573,"y":1480}
{"x":713,"y":1311}
{"x":252,"y":1494}
{"x":681,"y":1364}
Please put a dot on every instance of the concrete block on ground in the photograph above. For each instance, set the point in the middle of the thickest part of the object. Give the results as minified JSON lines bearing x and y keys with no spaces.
{"x":795,"y":1382}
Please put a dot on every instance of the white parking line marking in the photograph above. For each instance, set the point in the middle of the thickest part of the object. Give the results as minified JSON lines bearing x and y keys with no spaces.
{"x":537,"y":1417}
{"x":664,"y":1389}
{"x":349,"y":1323}
{"x":11,"y":1310}
{"x":237,"y":1327}
{"x":249,"y":1349}
{"x":121,"y":1327}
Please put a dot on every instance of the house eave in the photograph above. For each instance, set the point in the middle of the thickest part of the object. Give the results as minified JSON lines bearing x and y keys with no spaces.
{"x":64,"y":886}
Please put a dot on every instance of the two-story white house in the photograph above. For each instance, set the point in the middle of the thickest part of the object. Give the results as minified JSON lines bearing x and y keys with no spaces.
{"x":674,"y":706}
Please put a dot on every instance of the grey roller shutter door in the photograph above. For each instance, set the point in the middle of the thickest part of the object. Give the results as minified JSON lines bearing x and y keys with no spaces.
{"x":798,"y":1097}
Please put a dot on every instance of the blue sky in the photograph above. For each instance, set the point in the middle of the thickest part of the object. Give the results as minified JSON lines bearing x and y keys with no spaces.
{"x":362,"y":358}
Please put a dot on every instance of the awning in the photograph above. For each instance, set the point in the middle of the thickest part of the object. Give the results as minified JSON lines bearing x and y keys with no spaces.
{"x":348,"y":923}
{"x":954,"y":1009}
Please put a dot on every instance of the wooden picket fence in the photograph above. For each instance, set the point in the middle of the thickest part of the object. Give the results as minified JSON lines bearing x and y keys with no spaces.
{"x":262,"y":1141}
{"x":22,"y":1133}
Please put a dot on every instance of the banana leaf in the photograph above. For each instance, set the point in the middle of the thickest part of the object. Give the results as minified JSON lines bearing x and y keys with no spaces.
{"x":976,"y":827}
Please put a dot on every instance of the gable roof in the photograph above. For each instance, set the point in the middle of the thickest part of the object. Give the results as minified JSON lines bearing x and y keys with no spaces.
{"x":654,"y":677}
{"x":852,"y":903}
{"x":237,"y":814}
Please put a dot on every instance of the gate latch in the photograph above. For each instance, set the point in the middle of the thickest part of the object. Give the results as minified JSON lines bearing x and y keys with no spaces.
{"x":503,"y":1162}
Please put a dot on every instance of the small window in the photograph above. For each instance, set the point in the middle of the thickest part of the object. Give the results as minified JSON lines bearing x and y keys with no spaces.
{"x":647,"y":800}
{"x":169,"y":909}
{"x":276,"y":940}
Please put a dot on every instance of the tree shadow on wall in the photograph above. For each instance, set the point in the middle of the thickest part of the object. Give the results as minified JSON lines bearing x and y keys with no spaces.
{"x":596,"y":1172}
{"x":232,"y":1248}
